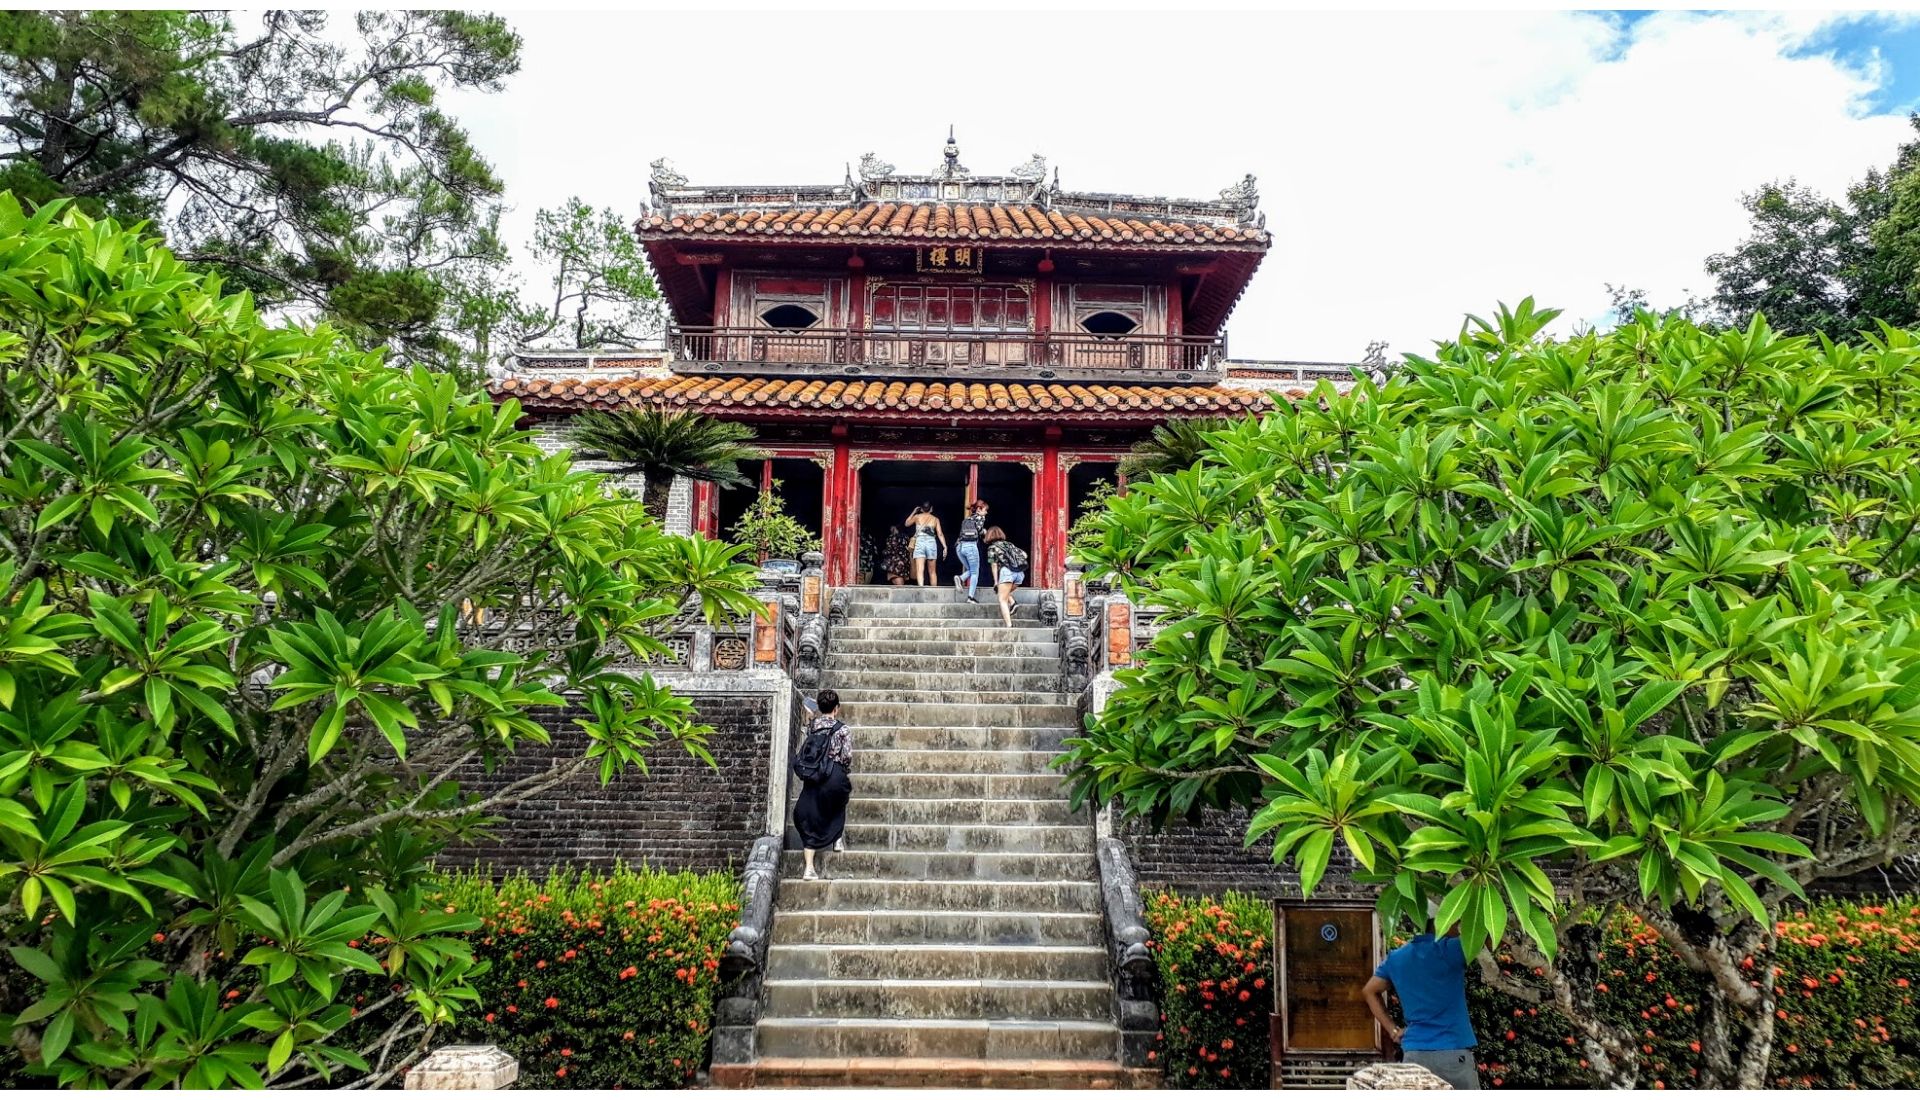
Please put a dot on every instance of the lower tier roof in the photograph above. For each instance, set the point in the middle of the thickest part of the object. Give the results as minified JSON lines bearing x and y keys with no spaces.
{"x":892,"y":400}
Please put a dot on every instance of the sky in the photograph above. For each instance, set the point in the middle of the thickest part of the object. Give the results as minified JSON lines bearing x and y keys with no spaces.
{"x":1413,"y":167}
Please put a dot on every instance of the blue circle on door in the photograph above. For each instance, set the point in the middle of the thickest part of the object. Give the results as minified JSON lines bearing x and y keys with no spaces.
{"x":1329,"y":932}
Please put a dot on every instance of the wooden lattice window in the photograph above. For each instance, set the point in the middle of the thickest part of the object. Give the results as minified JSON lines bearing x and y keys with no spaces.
{"x":912,"y":307}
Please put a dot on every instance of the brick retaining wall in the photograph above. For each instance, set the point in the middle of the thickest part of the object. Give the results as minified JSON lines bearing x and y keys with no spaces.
{"x":682,"y":814}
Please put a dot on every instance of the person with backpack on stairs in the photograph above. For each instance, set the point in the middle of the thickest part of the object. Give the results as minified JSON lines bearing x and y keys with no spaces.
{"x":967,"y":548}
{"x":823,"y":764}
{"x":1009,"y":569}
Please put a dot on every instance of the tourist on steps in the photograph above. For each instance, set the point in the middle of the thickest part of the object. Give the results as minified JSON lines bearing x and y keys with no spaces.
{"x":1009,"y":569}
{"x":967,"y":547}
{"x":929,"y":545}
{"x":1429,"y":974}
{"x":823,"y":763}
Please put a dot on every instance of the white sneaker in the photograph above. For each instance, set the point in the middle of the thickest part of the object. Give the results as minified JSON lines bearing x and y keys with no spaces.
{"x":810,"y":875}
{"x":840,"y":845}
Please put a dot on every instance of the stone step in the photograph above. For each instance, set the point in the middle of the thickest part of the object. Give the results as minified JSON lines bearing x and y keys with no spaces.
{"x":876,"y":784}
{"x":936,"y":926}
{"x":840,"y":662}
{"x":966,"y":715}
{"x":867,"y":679}
{"x":943,"y":1073}
{"x":922,"y":866}
{"x":890,"y":761}
{"x":842,"y":643}
{"x":937,"y":998}
{"x":970,"y":838}
{"x":866,"y":810}
{"x":857,"y":692}
{"x":791,"y":961}
{"x":954,"y":609}
{"x":800,"y":895}
{"x":797,"y":1037}
{"x":928,"y":633}
{"x":898,"y":594}
{"x":1048,"y":739}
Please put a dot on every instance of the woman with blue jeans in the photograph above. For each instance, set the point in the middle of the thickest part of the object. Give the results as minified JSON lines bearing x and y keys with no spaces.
{"x":967,"y":546}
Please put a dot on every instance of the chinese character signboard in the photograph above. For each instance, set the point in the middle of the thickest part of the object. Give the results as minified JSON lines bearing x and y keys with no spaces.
{"x":1323,"y":954}
{"x":953,"y":259}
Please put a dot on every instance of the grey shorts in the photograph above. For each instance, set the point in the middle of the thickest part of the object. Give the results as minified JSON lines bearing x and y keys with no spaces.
{"x":924,"y":546}
{"x":1455,"y":1067}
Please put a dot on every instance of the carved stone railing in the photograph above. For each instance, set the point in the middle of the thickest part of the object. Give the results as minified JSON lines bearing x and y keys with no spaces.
{"x":1097,"y":631}
{"x":1129,"y":961}
{"x":743,"y":961}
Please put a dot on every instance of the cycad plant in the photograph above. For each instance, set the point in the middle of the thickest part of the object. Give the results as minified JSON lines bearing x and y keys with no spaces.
{"x":661,"y":444}
{"x":1175,"y":445}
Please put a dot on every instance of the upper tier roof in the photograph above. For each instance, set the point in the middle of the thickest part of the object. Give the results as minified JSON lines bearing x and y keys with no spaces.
{"x":951,"y":204}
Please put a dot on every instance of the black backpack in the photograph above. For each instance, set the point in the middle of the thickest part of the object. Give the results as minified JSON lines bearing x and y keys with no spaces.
{"x":1013,"y":557}
{"x":970,"y":529}
{"x":810,"y":763}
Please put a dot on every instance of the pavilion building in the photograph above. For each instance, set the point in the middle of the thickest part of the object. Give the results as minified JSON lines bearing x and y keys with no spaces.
{"x":898,"y":338}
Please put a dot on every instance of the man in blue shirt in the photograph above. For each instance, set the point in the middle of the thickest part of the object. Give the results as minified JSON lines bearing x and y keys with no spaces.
{"x":1430,"y":976}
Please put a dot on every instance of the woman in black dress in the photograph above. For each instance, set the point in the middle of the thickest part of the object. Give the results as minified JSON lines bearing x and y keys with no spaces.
{"x":820,"y":815}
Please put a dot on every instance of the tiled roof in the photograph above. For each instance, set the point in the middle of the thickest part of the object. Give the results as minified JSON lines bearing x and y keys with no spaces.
{"x":947,"y":222}
{"x":783,"y":396}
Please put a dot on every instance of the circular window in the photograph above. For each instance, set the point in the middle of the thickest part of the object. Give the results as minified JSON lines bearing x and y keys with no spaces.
{"x":1108,"y":325}
{"x":790,"y":318}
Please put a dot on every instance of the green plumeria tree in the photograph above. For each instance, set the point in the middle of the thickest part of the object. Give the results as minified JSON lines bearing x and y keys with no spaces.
{"x":1545,"y":631}
{"x":262,"y":600}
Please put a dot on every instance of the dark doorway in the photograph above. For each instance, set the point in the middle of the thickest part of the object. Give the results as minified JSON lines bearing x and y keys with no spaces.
{"x":1007,"y":487}
{"x":1082,"y":482}
{"x":890,"y":490}
{"x":801,"y":487}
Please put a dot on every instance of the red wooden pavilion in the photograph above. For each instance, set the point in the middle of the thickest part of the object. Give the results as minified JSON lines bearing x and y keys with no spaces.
{"x":896,"y":338}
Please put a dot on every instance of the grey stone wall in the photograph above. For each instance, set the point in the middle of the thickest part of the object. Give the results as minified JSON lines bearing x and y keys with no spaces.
{"x":551,"y":438}
{"x":682,"y":814}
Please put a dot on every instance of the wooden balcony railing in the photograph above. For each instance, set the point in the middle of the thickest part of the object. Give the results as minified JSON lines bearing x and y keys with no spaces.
{"x":871,"y":352}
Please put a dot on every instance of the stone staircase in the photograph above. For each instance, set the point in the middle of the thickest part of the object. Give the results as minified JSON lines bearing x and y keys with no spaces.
{"x":958,"y":941}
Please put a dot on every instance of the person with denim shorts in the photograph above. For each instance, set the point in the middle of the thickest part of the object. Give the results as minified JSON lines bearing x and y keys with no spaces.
{"x":929,"y":545}
{"x":1009,"y":569}
{"x":1429,"y":974}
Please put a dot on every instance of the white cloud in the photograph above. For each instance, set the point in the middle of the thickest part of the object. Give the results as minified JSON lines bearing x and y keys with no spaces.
{"x":1413,"y":167}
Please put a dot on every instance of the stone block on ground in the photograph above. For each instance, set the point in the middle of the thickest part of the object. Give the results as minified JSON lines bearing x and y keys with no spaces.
{"x":464,"y":1067}
{"x":1396,"y":1075}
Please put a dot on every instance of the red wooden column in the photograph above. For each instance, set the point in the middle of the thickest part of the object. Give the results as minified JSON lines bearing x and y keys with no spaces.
{"x":1050,"y":515}
{"x":706,"y":510}
{"x":840,"y":530}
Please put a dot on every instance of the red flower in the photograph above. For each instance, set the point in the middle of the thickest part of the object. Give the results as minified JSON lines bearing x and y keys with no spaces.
{"x":552,"y":1002}
{"x":513,"y":1009}
{"x":561,"y":1072}
{"x":489,"y":1017}
{"x":566,"y":1052}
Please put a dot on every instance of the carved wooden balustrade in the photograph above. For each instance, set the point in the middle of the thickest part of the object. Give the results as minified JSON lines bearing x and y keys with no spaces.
{"x":874,"y":352}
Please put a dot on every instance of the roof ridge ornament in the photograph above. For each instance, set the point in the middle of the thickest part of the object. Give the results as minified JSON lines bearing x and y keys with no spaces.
{"x":1033,"y":171}
{"x":664,"y":175}
{"x":873,"y":168}
{"x":1243,"y":196}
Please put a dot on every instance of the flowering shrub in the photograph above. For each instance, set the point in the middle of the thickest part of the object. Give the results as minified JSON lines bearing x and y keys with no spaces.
{"x":599,"y":979}
{"x":1846,"y":1016}
{"x":1216,"y":981}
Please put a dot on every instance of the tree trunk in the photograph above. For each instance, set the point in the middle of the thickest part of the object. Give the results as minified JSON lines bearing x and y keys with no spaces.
{"x":656,"y":492}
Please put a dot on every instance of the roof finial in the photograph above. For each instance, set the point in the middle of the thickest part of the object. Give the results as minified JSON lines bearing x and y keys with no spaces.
{"x":953,"y":166}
